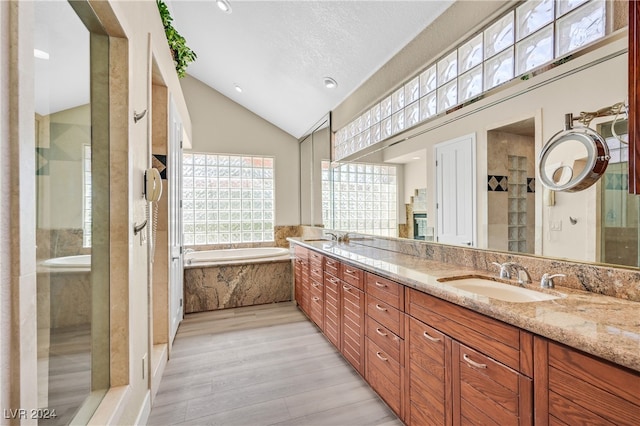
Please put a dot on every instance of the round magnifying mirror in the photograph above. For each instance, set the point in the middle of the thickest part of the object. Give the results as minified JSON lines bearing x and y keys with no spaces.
{"x":573,"y":160}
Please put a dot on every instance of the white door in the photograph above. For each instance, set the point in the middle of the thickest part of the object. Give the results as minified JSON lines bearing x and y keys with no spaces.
{"x":456,"y":191}
{"x":174,"y":165}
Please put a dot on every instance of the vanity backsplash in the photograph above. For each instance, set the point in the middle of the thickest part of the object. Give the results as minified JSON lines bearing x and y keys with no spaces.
{"x":601,"y":279}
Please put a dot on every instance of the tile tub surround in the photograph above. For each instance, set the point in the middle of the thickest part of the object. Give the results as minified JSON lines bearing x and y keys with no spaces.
{"x":606,"y":327}
{"x":67,"y":296}
{"x":210,"y":288}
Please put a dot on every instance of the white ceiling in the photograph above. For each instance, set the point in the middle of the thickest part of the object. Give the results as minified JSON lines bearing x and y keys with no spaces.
{"x":279,"y":51}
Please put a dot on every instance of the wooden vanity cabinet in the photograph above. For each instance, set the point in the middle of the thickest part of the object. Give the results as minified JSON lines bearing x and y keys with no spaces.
{"x":301,"y":278}
{"x":316,"y":289}
{"x":467,"y":368}
{"x":385,"y":323}
{"x":352,"y":302}
{"x":332,"y":298}
{"x":572,"y":387}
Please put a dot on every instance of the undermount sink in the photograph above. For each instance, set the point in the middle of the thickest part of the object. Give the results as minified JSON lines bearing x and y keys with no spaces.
{"x":497,"y":290}
{"x":310,"y":240}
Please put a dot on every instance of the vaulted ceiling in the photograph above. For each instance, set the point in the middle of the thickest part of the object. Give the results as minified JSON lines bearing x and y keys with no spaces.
{"x":279,"y":52}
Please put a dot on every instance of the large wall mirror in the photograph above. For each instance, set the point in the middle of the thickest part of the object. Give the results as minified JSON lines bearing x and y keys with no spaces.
{"x":315,"y":155}
{"x":507,"y":130}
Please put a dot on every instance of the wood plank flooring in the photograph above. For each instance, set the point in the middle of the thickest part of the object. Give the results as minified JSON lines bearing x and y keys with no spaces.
{"x":261,"y":365}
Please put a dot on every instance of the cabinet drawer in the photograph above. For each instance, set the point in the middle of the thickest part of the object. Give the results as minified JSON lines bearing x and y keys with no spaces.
{"x":386,"y":315}
{"x":426,"y":345}
{"x":498,"y":340}
{"x":353,"y":276}
{"x":315,"y":257}
{"x":316,"y":309}
{"x":585,"y":389}
{"x":504,"y":395}
{"x":385,"y":339}
{"x":316,"y":288}
{"x":384,"y":376}
{"x":385,"y":290}
{"x":332,"y":266}
{"x":315,"y":272}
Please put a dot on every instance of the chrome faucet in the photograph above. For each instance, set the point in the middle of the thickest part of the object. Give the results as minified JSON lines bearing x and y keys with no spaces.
{"x":344,"y":238}
{"x":504,"y":269}
{"x":547,"y":280}
{"x":334,"y":237}
{"x":523,"y":274}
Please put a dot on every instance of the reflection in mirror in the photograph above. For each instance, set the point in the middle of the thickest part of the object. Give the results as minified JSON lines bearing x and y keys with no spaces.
{"x":515,"y":212}
{"x":562,"y":175}
{"x":315,"y":153}
{"x":620,"y":211}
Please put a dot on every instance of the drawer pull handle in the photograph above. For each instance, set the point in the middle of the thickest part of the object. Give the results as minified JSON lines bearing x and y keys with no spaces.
{"x":316,"y":285}
{"x":380,"y":332}
{"x":380,"y":308}
{"x":472,"y":362}
{"x":381,"y":285}
{"x":349,"y":271}
{"x":315,"y":299}
{"x":433,"y":339}
{"x":379,"y":355}
{"x":346,"y":288}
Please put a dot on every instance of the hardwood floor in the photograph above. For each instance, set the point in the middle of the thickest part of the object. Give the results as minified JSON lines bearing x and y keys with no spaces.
{"x":261,"y":365}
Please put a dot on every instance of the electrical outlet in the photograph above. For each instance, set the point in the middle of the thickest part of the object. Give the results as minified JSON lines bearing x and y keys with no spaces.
{"x":556,"y":226}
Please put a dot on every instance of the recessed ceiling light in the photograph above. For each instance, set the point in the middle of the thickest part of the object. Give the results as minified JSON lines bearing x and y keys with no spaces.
{"x":40,"y":54}
{"x":329,"y":83}
{"x":415,"y":158}
{"x":238,"y":88}
{"x":224,"y":6}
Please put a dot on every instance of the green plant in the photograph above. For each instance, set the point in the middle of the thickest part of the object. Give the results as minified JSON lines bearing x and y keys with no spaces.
{"x":182,"y":54}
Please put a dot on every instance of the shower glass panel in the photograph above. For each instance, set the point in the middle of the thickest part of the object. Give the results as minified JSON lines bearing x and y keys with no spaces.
{"x":71,"y":320}
{"x":620,"y":210}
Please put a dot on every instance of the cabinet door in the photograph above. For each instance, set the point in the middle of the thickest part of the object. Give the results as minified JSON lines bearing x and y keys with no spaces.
{"x":332,"y":309}
{"x":384,"y":374}
{"x":316,"y":301}
{"x":429,"y":376}
{"x":576,"y":388}
{"x":352,"y":324}
{"x":487,"y":392}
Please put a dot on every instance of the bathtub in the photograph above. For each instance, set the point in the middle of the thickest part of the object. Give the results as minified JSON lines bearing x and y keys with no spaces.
{"x":230,"y":278}
{"x":242,"y":255}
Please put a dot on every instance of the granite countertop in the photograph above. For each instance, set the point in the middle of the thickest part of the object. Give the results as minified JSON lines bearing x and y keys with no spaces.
{"x":600,"y":325}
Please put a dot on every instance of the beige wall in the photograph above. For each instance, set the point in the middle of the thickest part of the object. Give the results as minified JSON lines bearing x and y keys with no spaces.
{"x":223,"y":126}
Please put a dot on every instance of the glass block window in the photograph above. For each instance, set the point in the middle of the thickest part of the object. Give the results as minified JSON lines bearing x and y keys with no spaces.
{"x":227,"y":198}
{"x":364,"y":198}
{"x":86,"y":195}
{"x":580,"y":27}
{"x":523,"y":40}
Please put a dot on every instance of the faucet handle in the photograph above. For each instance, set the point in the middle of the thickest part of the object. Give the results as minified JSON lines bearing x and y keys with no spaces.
{"x":547,"y":280}
{"x":504,"y":269}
